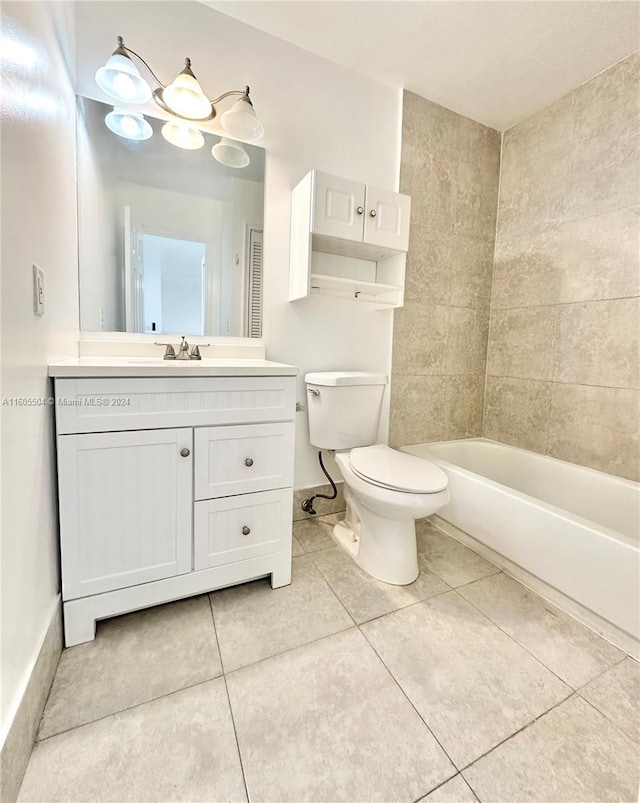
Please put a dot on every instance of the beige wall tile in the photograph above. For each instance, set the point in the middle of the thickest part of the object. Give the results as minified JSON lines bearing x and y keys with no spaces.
{"x":609,"y":102}
{"x":450,"y":167}
{"x":516,"y":411}
{"x":536,"y":161}
{"x":605,"y":174}
{"x":428,"y":274}
{"x":417,"y":404}
{"x":466,"y":346}
{"x":596,"y":427}
{"x":598,"y":343}
{"x":464,"y":398}
{"x":581,"y":260}
{"x":420,"y":333}
{"x":470,"y":269}
{"x":521,"y":342}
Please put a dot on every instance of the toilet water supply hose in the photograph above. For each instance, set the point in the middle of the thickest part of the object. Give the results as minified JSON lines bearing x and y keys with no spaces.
{"x":307,"y":505}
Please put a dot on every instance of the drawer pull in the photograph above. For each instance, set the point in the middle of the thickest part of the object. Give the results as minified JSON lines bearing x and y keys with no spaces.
{"x":248,"y":462}
{"x":246,"y":530}
{"x":185,"y":452}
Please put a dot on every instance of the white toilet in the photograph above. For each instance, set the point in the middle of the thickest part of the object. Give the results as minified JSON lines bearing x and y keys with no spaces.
{"x":385,"y":490}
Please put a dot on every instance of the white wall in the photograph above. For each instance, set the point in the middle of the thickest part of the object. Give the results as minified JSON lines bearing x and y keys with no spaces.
{"x":38,"y":225}
{"x":316,"y":114}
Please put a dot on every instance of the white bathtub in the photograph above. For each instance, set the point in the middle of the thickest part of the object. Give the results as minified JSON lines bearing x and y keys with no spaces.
{"x":574,"y":529}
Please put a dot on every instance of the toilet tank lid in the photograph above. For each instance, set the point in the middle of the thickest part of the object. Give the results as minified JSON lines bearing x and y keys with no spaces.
{"x":333,"y":378}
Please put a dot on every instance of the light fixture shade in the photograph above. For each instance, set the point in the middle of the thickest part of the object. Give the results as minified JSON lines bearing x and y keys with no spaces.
{"x":230,"y":153}
{"x":183,"y":136}
{"x":186,"y":98}
{"x":127,"y":124}
{"x":241,"y":120}
{"x":119,"y":78}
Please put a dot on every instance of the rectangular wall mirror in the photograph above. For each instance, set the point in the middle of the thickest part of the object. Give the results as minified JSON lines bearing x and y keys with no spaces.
{"x":170,"y":240}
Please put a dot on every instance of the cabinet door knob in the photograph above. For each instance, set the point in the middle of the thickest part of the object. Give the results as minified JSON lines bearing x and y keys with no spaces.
{"x":185,"y":452}
{"x":248,"y":462}
{"x":372,"y":213}
{"x":359,"y":210}
{"x":246,"y":530}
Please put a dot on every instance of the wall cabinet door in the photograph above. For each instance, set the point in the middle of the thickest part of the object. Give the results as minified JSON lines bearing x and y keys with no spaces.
{"x":338,"y":207}
{"x":387,"y":217}
{"x":244,"y":459}
{"x":125,"y":508}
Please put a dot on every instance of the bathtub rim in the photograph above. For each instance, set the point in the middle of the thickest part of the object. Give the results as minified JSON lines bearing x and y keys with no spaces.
{"x":528,"y":499}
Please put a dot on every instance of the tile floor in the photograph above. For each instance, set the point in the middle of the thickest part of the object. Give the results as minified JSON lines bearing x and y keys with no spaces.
{"x":461,"y":687}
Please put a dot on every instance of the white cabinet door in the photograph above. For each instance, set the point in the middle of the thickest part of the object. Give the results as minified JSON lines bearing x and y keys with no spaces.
{"x":338,"y":207}
{"x":240,"y":460}
{"x":238,"y":528}
{"x":387,"y":216}
{"x":125,"y":508}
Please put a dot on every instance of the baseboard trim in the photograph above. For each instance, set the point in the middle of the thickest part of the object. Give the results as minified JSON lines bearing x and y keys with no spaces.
{"x":20,"y":739}
{"x":323,"y":506}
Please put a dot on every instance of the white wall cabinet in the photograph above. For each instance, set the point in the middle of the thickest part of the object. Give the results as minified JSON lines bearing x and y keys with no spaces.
{"x":348,"y":240}
{"x":184,"y":497}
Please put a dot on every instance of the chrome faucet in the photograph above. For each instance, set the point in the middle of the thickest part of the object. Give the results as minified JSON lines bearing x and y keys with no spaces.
{"x":183,"y":353}
{"x":183,"y":350}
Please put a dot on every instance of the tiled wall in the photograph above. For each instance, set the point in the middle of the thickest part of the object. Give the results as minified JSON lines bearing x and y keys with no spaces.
{"x":563,"y":361}
{"x":450,"y":168}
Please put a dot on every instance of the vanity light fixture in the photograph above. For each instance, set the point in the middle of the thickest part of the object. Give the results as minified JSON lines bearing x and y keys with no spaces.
{"x":128,"y":124}
{"x":184,"y":97}
{"x":230,"y":153}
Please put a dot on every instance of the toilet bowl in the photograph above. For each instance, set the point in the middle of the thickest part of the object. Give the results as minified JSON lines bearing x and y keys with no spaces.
{"x":386,"y":491}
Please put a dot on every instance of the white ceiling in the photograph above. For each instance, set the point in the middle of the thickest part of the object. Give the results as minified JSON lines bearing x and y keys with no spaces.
{"x":496,"y":62}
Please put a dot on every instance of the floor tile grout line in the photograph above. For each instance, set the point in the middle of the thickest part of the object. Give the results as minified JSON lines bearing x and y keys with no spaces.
{"x":440,"y":785}
{"x":132,"y":707}
{"x":512,"y":735}
{"x":539,"y":596}
{"x":517,"y":643}
{"x":422,"y":719}
{"x":527,"y":650}
{"x":226,"y":688}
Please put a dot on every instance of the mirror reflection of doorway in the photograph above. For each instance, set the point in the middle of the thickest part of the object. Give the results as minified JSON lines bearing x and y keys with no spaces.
{"x":174,"y":284}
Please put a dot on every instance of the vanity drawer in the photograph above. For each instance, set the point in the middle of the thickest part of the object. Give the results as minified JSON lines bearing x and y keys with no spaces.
{"x":241,"y":527}
{"x":245,"y":459}
{"x":108,"y":405}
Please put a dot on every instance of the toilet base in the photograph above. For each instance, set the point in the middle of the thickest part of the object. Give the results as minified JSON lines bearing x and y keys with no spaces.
{"x":384,"y":548}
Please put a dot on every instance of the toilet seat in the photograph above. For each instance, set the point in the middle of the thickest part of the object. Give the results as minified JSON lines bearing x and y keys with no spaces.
{"x":397,"y":471}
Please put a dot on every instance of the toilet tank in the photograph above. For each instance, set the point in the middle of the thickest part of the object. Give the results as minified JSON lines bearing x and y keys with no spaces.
{"x":344,"y":408}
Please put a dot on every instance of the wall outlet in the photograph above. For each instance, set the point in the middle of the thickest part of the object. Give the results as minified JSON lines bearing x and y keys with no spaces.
{"x":38,"y":290}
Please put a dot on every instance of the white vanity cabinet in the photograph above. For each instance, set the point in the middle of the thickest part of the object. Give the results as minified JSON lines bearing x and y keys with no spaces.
{"x":170,"y":486}
{"x":348,"y":240}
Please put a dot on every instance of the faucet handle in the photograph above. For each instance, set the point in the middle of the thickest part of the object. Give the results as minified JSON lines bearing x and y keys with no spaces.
{"x":170,"y":352}
{"x":195,"y":351}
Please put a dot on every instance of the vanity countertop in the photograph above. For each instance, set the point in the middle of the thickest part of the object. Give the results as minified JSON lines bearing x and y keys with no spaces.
{"x":155,"y":366}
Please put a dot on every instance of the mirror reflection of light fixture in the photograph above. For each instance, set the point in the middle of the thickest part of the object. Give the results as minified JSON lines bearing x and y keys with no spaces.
{"x":183,"y":136}
{"x":183,"y":98}
{"x":128,"y":124}
{"x":230,"y":153}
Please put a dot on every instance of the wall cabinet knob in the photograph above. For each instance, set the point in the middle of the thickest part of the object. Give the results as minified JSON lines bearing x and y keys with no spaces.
{"x":248,"y":462}
{"x":372,"y":213}
{"x":246,"y":530}
{"x":185,"y":452}
{"x":359,"y":210}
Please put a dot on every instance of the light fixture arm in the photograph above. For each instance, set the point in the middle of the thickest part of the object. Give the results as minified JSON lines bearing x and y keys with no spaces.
{"x":241,"y":92}
{"x":122,"y":49}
